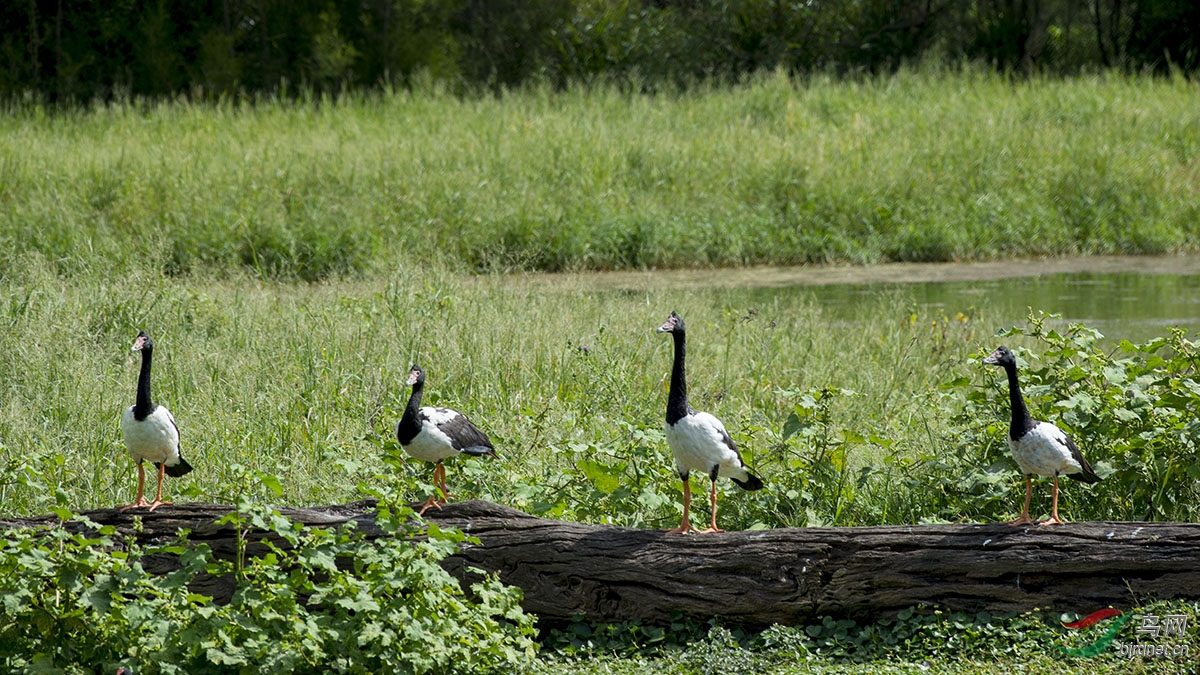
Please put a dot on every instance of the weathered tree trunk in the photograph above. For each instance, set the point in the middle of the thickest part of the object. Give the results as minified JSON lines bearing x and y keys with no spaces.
{"x":786,"y":576}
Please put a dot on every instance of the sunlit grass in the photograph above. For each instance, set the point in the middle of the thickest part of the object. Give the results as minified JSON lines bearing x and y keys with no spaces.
{"x":933,"y":165}
{"x":193,"y":222}
{"x":305,"y":382}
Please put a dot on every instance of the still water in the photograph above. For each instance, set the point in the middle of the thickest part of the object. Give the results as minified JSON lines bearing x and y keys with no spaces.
{"x":1125,"y":298}
{"x":1122,"y":306}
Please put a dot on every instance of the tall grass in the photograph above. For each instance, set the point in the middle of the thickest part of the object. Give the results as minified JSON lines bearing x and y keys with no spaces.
{"x":929,"y":165}
{"x":304,"y":382}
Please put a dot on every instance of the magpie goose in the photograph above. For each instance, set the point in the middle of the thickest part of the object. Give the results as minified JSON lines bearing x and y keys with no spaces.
{"x":150,"y":432}
{"x":1039,"y":447}
{"x":698,"y":440}
{"x":433,"y":434}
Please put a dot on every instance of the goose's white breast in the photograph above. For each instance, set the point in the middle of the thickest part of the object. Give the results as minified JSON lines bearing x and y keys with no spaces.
{"x":697,"y":443}
{"x":1043,"y":450}
{"x":154,"y":439}
{"x":432,"y":444}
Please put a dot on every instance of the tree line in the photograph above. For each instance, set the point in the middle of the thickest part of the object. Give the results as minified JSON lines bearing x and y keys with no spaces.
{"x":80,"y":50}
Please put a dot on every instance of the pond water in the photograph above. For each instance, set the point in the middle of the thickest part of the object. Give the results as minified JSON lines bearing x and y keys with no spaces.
{"x":1125,"y":298}
{"x":1122,"y":306}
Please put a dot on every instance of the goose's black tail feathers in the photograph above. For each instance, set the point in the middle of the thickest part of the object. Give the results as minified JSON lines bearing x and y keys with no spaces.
{"x":180,"y":469}
{"x":1086,"y":476}
{"x":479,"y":451}
{"x":751,"y":483}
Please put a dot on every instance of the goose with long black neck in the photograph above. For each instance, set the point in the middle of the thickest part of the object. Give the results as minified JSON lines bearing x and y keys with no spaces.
{"x":1039,"y":447}
{"x":150,"y":432}
{"x":698,"y":440}
{"x":433,"y":434}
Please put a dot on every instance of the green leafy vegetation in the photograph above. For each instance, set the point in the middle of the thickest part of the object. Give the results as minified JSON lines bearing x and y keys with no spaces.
{"x":927,"y":165}
{"x":319,"y":601}
{"x":916,"y":641}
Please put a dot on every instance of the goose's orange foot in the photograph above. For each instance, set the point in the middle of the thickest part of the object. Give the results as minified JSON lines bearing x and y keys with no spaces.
{"x":432,"y":501}
{"x":157,"y":503}
{"x":139,"y":504}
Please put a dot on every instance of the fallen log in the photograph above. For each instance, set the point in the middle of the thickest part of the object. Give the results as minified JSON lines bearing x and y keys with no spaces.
{"x":786,"y":576}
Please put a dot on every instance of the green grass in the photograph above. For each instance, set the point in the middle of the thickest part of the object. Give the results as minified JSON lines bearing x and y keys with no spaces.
{"x":192,"y":222}
{"x":882,"y":416}
{"x":885,"y":416}
{"x":305,"y":382}
{"x":931,"y":165}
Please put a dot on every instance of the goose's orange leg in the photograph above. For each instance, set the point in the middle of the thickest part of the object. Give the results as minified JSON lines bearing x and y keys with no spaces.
{"x":685,"y":526}
{"x":445,"y":491}
{"x":439,"y":478}
{"x":713,"y":502}
{"x":158,"y":500}
{"x":141,"y":498}
{"x":1025,"y":519}
{"x":1053,"y":519}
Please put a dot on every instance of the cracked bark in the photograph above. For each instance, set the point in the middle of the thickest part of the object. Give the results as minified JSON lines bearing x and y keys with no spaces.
{"x":786,"y":576}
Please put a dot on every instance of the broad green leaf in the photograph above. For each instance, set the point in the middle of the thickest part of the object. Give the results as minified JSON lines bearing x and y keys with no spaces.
{"x":791,"y":426}
{"x":1114,"y":375}
{"x":1125,"y":415}
{"x":602,"y":476}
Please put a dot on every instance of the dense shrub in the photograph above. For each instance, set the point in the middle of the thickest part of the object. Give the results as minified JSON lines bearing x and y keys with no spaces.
{"x":331,"y":601}
{"x":96,"y":49}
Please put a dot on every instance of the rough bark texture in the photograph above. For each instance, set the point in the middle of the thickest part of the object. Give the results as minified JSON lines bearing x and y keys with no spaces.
{"x":786,"y":576}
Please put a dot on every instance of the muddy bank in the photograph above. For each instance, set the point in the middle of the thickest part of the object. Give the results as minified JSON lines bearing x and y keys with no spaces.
{"x":758,"y":277}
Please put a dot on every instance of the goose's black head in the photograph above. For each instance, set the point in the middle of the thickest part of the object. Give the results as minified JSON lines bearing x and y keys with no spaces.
{"x":415,"y":375}
{"x":142,"y":343}
{"x":673,"y":324}
{"x":1001,"y":357}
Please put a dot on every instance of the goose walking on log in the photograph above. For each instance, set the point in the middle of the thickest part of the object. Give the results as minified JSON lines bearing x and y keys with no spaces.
{"x":434,"y":434}
{"x":1039,"y":447}
{"x":150,"y":432}
{"x":697,"y":439}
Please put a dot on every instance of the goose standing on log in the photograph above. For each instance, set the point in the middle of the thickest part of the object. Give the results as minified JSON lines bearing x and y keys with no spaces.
{"x":433,"y":434}
{"x":698,"y":440}
{"x":150,"y":432}
{"x":1038,"y":447}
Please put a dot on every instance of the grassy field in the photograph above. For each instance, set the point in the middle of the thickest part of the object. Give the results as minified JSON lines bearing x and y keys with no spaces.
{"x":196,"y":223}
{"x":882,"y":416}
{"x":921,"y":166}
{"x":305,"y":382}
{"x":289,"y":393}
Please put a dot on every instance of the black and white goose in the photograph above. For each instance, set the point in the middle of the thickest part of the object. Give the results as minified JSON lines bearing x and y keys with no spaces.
{"x":1039,"y":447}
{"x":698,"y":440}
{"x":150,"y":432}
{"x":433,"y":434}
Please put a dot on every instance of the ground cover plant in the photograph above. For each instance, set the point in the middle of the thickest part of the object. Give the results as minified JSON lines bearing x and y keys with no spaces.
{"x":925,"y":165}
{"x":915,"y":641}
{"x":78,"y":602}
